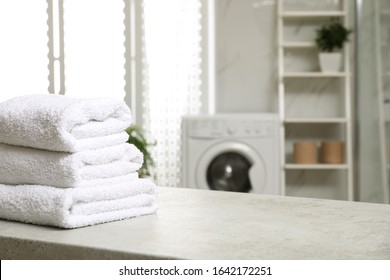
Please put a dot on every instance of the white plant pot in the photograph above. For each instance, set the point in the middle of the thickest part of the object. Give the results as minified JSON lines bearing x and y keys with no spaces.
{"x":331,"y":62}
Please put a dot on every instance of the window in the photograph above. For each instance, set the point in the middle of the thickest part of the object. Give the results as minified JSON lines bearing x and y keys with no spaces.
{"x":23,"y":48}
{"x":94,"y":48}
{"x":172,"y":78}
{"x":93,"y":56}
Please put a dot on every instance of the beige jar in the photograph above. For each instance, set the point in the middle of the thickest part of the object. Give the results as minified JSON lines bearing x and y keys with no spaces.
{"x":332,"y":152}
{"x":305,"y":152}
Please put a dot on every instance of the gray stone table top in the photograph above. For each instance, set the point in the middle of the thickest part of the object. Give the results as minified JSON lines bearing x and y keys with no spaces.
{"x":200,"y":224}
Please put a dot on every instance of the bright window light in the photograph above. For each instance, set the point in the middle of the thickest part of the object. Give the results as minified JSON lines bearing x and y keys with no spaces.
{"x":23,"y":48}
{"x":172,"y":77}
{"x":94,"y":48}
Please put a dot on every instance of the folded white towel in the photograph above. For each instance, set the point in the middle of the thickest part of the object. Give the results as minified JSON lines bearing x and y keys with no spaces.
{"x":118,"y":180}
{"x":59,"y":123}
{"x":71,"y":208}
{"x":19,"y":165}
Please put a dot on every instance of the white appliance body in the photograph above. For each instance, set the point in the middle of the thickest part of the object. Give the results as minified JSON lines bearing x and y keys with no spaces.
{"x":232,"y":152}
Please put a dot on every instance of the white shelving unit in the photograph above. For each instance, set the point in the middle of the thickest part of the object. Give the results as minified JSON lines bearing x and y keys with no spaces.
{"x":318,"y":166}
{"x":341,"y":123}
{"x":313,"y":75}
{"x":315,"y":120}
{"x":313,"y":14}
{"x":298,"y":45}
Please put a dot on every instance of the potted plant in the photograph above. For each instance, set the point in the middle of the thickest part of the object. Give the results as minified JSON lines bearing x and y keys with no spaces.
{"x":330,"y":40}
{"x":137,"y":138}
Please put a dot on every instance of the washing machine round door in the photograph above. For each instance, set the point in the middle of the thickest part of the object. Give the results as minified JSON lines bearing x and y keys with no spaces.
{"x":231,"y":166}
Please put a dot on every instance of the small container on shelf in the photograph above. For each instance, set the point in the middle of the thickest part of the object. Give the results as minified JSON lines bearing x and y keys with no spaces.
{"x":305,"y":152}
{"x":332,"y":152}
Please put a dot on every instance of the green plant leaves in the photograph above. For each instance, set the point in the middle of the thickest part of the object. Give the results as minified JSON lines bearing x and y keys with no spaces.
{"x":137,"y":138}
{"x":332,"y":36}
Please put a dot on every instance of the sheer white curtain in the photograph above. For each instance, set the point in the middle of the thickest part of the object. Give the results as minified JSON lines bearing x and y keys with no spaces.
{"x":172,"y":78}
{"x":94,"y":48}
{"x":23,"y":48}
{"x":94,"y":59}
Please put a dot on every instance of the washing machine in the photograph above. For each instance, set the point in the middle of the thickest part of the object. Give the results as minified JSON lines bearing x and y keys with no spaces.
{"x":232,"y":152}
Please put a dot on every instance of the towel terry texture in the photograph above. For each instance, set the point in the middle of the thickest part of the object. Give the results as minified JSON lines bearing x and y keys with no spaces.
{"x":59,"y":123}
{"x":77,"y":207}
{"x":65,"y":162}
{"x":19,"y":165}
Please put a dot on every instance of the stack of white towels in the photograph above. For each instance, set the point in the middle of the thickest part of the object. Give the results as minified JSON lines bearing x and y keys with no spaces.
{"x":65,"y":162}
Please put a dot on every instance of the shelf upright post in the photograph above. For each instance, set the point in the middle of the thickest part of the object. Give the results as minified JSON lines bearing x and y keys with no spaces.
{"x":281,"y":95}
{"x":348,"y":112}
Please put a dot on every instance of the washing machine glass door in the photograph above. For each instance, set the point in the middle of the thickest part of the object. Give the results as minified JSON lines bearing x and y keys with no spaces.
{"x":229,"y":172}
{"x":230,"y":166}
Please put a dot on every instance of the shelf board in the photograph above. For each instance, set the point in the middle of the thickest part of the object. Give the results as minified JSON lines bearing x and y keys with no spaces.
{"x":314,"y":74}
{"x":317,"y":166}
{"x":299,"y":45}
{"x":315,"y":120}
{"x":313,"y":14}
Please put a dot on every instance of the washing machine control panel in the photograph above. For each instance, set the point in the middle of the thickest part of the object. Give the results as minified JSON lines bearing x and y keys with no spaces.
{"x":202,"y":128}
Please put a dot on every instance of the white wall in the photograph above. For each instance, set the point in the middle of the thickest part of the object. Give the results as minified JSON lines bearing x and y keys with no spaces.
{"x":246,"y":56}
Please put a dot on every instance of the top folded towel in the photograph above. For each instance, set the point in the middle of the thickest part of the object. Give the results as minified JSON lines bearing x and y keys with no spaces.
{"x":59,"y":123}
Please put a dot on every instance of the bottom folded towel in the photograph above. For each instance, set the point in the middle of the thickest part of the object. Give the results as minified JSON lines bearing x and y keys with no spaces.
{"x":77,"y":207}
